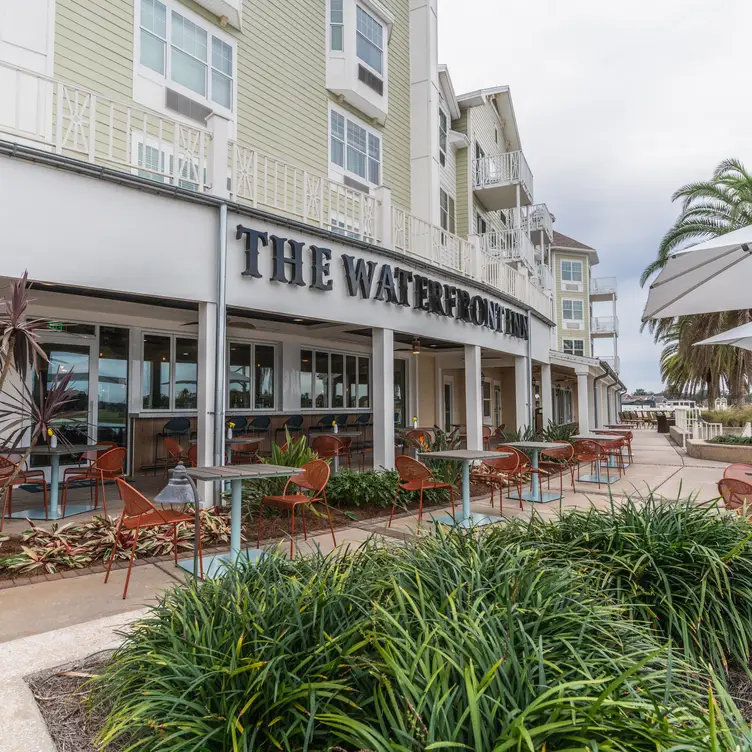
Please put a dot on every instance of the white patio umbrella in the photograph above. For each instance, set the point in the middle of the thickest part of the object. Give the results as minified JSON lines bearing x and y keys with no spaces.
{"x":740,"y":336}
{"x":712,"y":276}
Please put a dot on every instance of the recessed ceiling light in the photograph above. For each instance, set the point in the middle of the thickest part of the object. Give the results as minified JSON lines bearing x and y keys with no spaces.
{"x":298,"y":321}
{"x":432,"y":345}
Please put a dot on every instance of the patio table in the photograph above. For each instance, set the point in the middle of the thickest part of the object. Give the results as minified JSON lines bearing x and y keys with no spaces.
{"x":235,"y":474}
{"x":597,"y":478}
{"x":54,"y":453}
{"x":466,"y":456}
{"x":624,"y":450}
{"x":535,"y":494}
{"x":340,"y":435}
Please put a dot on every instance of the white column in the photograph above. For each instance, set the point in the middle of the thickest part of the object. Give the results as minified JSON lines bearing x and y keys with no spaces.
{"x":521,"y":392}
{"x":413,"y":379}
{"x":207,"y":357}
{"x":217,"y":169}
{"x":583,"y":401}
{"x":383,"y":196}
{"x":547,"y":402}
{"x":473,"y":398}
{"x":383,"y":398}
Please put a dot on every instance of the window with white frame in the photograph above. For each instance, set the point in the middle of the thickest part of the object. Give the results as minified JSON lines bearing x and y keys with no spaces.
{"x":486,"y":398}
{"x":169,"y":376}
{"x":369,"y":40}
{"x":354,"y":148}
{"x":443,"y":131}
{"x":446,"y":211}
{"x":573,"y":310}
{"x":252,"y":369}
{"x":186,"y":51}
{"x":574,"y":346}
{"x":334,"y":380}
{"x":571,"y":271}
{"x":336,"y":26}
{"x":481,"y":227}
{"x":156,"y":161}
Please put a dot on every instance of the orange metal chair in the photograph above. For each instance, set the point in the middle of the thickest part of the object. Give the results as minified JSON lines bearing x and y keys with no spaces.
{"x":139,"y":512}
{"x":313,"y":477}
{"x":415,"y":476}
{"x":586,"y":451}
{"x":246,"y":454}
{"x":192,"y":459}
{"x":7,"y":468}
{"x":736,"y":495}
{"x":88,"y":457}
{"x":739,"y":471}
{"x":110,"y":466}
{"x":175,"y":453}
{"x":558,"y":460}
{"x":614,"y":449}
{"x":493,"y":473}
{"x":329,"y":447}
{"x":487,"y":434}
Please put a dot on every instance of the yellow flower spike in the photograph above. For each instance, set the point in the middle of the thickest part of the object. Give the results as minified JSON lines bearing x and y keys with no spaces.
{"x":50,"y":432}
{"x":231,"y":424}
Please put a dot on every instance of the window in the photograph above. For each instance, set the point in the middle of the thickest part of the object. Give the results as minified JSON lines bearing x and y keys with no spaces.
{"x":573,"y":310}
{"x":443,"y":130}
{"x":480,"y":225}
{"x":333,"y":380}
{"x":169,"y":378}
{"x":446,"y":211}
{"x":369,"y":44}
{"x":571,"y":271}
{"x":574,"y":346}
{"x":496,"y":135}
{"x":186,"y":53}
{"x":486,"y":399}
{"x":158,"y":164}
{"x":336,"y":26}
{"x":252,"y":376}
{"x":354,"y":148}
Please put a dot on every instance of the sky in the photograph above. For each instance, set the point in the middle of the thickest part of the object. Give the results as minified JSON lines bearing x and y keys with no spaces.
{"x":618,"y":105}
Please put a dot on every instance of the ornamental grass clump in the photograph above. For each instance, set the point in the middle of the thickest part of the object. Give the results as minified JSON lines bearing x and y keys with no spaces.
{"x":453,"y":642}
{"x":683,"y":568}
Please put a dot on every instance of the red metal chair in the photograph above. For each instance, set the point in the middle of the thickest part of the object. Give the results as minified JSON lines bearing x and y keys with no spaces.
{"x":493,"y":473}
{"x":175,"y":453}
{"x":487,"y":434}
{"x":7,"y":468}
{"x":192,"y":459}
{"x":614,"y":449}
{"x":329,"y":447}
{"x":557,"y":460}
{"x":246,"y":454}
{"x":586,"y":451}
{"x":415,"y":476}
{"x":139,"y":512}
{"x":88,"y":457}
{"x":110,"y":466}
{"x":313,"y":477}
{"x":740,"y":471}
{"x":736,"y":495}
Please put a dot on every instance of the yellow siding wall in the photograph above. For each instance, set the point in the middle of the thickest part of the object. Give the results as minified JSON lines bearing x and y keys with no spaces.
{"x":282,"y":96}
{"x":584,"y":334}
{"x":508,"y":399}
{"x":484,"y":128}
{"x":426,"y":391}
{"x":462,"y":167}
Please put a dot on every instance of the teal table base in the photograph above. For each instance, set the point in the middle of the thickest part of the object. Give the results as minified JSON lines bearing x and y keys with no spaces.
{"x":536,"y":497}
{"x":466,"y":519}
{"x":599,"y":477}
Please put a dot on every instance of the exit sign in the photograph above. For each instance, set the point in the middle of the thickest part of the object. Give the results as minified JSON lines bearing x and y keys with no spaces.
{"x":58,"y":326}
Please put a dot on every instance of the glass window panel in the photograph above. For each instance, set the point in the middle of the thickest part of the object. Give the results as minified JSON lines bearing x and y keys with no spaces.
{"x":356,"y":136}
{"x":186,"y":374}
{"x":338,"y":139}
{"x":337,"y":42}
{"x":221,"y":89}
{"x":364,"y":380}
{"x":188,"y":37}
{"x":188,"y":71}
{"x":351,"y":380}
{"x":112,"y":386}
{"x":221,"y":56}
{"x":369,"y":42}
{"x":400,"y":392}
{"x":321,"y":385}
{"x":306,"y":378}
{"x":374,"y":159}
{"x":152,"y":52}
{"x":240,"y":377}
{"x":336,"y":19}
{"x":155,"y":382}
{"x":264,"y":380}
{"x":154,"y":17}
{"x":356,"y":162}
{"x":338,"y":382}
{"x":442,"y":131}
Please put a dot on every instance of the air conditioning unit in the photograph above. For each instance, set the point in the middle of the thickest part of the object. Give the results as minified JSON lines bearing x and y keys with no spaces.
{"x":572,"y":286}
{"x":573,"y":324}
{"x":350,"y":183}
{"x":186,"y":106}
{"x":371,"y":80}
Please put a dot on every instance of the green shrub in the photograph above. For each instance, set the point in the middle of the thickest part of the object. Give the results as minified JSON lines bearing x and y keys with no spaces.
{"x":452,"y":642}
{"x":734,"y":416}
{"x":565,"y":432}
{"x":350,"y":488}
{"x":685,"y":569}
{"x":742,"y":440}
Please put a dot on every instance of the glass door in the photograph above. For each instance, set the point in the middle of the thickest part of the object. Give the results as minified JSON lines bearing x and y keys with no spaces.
{"x":448,"y":405}
{"x":497,"y":404}
{"x":400,"y":393}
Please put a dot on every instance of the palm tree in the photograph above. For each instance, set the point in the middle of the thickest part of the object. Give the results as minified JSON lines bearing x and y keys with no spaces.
{"x":709,"y":209}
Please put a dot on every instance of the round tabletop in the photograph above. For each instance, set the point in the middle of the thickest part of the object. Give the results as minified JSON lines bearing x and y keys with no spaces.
{"x":534,"y":444}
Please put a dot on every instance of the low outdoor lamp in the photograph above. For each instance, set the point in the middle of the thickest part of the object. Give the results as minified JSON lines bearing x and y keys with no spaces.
{"x":179,"y":491}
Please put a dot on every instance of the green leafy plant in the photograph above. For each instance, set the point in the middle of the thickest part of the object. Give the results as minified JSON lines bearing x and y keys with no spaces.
{"x":738,"y":440}
{"x":452,"y":642}
{"x":349,"y":488}
{"x":439,"y":440}
{"x":554,"y":432}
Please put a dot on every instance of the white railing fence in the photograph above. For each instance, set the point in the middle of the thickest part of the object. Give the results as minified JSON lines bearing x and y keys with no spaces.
{"x":603,"y":285}
{"x":604,"y":325}
{"x":545,"y":277}
{"x":498,"y":169}
{"x":512,"y":245}
{"x":689,"y":421}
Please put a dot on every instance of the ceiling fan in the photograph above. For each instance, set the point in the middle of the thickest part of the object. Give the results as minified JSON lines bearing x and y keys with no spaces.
{"x":237,"y":321}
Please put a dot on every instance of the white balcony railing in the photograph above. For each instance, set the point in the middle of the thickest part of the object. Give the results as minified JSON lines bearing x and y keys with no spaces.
{"x":612,"y":360}
{"x":544,"y":277}
{"x":604,"y":325}
{"x":500,"y":169}
{"x":58,"y":117}
{"x":540,"y":220}
{"x":511,"y":245}
{"x":603,"y":286}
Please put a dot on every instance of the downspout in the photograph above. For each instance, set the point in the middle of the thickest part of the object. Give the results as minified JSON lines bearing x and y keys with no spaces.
{"x":530,"y":394}
{"x":595,"y":397}
{"x":221,"y":335}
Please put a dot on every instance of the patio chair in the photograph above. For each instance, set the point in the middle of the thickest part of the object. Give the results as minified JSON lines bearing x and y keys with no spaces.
{"x":313,"y":477}
{"x":415,"y":476}
{"x":736,"y":495}
{"x":245,"y":454}
{"x":329,"y":447}
{"x":558,"y":460}
{"x":175,"y":453}
{"x":324,"y":423}
{"x":486,"y":436}
{"x":176,"y":428}
{"x":293,"y":424}
{"x":342,"y":419}
{"x":586,"y":451}
{"x":7,"y":469}
{"x":614,"y":449}
{"x":89,"y":456}
{"x":139,"y":512}
{"x":740,"y":471}
{"x":192,"y":458}
{"x":110,"y":466}
{"x":419,"y":436}
{"x":493,"y":472}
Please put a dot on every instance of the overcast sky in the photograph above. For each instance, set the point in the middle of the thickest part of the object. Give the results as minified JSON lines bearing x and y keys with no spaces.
{"x":618,"y":105}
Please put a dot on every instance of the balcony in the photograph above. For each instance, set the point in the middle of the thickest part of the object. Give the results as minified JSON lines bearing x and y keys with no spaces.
{"x":53,"y":116}
{"x":543,"y":278}
{"x":497,"y":180}
{"x":612,"y":360}
{"x":603,"y":288}
{"x":511,"y":245}
{"x":604,"y":326}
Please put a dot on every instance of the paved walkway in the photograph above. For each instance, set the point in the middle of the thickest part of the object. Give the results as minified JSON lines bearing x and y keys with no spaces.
{"x":32,"y":609}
